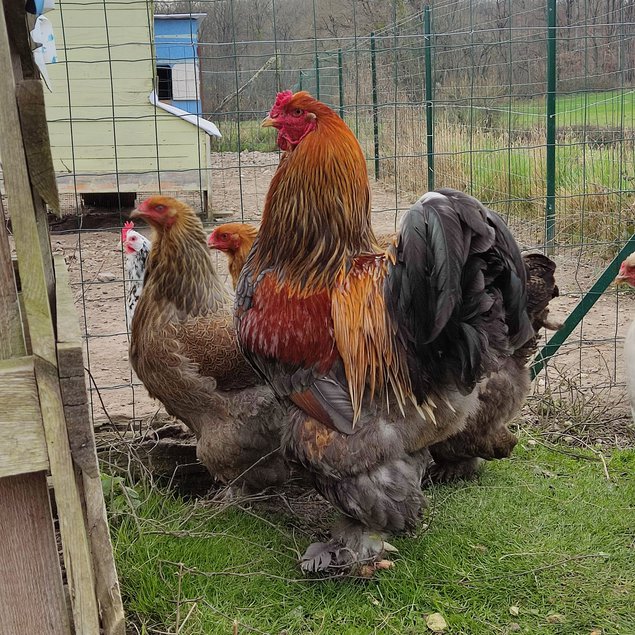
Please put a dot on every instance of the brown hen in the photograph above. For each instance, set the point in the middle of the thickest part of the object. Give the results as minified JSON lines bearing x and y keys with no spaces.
{"x":184,"y":350}
{"x":235,"y":241}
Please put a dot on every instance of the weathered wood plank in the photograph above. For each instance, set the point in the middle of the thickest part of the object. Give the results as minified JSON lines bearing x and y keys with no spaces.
{"x":19,"y":35}
{"x":24,"y":70}
{"x":12,"y":340}
{"x":108,"y":591}
{"x":35,"y":134}
{"x":36,"y":266}
{"x":71,"y":371}
{"x":31,"y":592}
{"x":32,"y":262}
{"x":73,"y":531}
{"x":68,"y":331}
{"x":23,"y":447}
{"x":82,"y":439}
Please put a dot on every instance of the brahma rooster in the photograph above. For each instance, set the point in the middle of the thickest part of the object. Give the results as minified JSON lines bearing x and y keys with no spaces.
{"x":384,"y":358}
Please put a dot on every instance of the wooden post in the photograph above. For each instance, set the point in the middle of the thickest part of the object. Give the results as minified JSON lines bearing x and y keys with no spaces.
{"x":31,"y":592}
{"x":25,"y":510}
{"x":36,"y":267}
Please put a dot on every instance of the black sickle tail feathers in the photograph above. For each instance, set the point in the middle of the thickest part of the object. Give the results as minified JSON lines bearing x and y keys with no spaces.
{"x":456,"y":292}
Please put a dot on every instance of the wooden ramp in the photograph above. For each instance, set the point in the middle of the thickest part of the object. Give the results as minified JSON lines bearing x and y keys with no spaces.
{"x":44,"y":421}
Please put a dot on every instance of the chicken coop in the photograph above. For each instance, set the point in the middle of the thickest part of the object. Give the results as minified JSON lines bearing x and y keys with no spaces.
{"x":178,"y":68}
{"x":124,"y":110}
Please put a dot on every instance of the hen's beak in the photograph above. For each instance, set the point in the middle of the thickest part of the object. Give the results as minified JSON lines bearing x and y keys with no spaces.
{"x":619,"y":280}
{"x":268,"y":122}
{"x":136,"y":213}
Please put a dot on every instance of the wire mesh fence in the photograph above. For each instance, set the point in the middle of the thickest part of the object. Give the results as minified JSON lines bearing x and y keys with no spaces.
{"x":529,"y":106}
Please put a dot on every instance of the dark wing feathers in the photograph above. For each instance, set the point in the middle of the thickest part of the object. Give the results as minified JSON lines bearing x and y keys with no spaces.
{"x":428,"y":244}
{"x":512,"y":281}
{"x":456,"y":292}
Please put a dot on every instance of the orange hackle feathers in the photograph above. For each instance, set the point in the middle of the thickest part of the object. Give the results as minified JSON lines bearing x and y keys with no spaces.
{"x":320,"y":190}
{"x":364,"y":335}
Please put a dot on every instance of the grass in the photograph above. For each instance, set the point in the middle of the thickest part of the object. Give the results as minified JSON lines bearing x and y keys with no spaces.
{"x":250,"y":136}
{"x":543,"y":544}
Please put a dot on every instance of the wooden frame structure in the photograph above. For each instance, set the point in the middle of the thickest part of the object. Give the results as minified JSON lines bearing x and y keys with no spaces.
{"x":47,"y":451}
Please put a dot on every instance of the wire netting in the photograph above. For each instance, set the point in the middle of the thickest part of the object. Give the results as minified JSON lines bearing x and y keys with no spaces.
{"x":498,"y":76}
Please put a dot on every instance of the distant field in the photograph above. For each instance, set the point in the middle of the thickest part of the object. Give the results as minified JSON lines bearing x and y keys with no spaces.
{"x":608,"y":109}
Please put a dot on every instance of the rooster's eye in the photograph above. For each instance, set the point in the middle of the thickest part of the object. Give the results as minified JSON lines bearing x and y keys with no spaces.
{"x":297,"y":112}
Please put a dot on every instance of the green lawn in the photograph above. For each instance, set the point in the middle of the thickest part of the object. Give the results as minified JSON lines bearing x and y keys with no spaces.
{"x":542,"y":544}
{"x":608,"y":109}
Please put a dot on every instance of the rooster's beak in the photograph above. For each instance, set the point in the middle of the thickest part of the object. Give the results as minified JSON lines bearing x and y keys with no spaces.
{"x":268,"y":122}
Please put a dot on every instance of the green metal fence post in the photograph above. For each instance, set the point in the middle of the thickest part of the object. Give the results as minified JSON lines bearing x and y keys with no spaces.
{"x":340,"y":69}
{"x":427,"y":29}
{"x":550,"y":211}
{"x":373,"y":74}
{"x":581,"y":309}
{"x":315,"y":52}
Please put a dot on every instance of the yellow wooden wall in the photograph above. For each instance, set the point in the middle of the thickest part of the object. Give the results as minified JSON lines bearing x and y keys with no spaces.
{"x":100,"y":119}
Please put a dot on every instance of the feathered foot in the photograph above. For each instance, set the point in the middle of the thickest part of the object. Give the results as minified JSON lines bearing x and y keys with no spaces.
{"x":352,"y":550}
{"x":448,"y":471}
{"x":230,"y":494}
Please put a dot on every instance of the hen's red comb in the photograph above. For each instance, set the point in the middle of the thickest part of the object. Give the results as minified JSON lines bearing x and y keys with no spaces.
{"x":127,"y":226}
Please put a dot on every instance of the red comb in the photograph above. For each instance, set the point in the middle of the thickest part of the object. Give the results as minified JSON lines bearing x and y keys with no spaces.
{"x":127,"y":226}
{"x":282,"y":99}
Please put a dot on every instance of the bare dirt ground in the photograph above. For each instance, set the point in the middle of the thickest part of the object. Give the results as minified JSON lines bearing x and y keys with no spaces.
{"x":585,"y":384}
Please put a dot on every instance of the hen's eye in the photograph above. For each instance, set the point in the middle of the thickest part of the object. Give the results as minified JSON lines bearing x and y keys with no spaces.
{"x":223,"y":236}
{"x":160,"y":208}
{"x":297,"y":112}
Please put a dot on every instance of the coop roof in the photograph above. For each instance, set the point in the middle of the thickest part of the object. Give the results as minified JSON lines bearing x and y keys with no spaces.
{"x":201,"y":123}
{"x":179,"y":16}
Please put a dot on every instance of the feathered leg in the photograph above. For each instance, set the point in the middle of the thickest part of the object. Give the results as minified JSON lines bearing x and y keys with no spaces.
{"x":376,"y":503}
{"x":485,"y":435}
